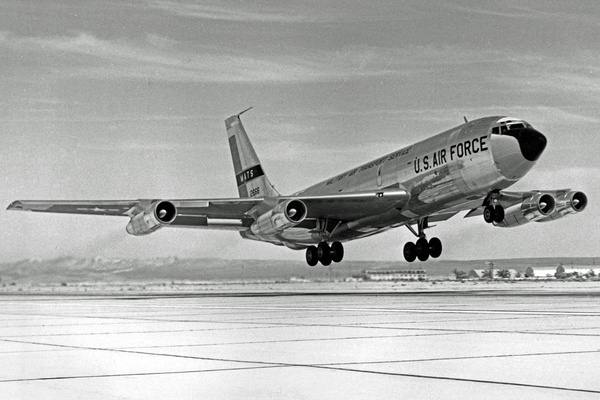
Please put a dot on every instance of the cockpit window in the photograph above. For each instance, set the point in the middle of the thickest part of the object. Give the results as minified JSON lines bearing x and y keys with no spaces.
{"x":506,"y":126}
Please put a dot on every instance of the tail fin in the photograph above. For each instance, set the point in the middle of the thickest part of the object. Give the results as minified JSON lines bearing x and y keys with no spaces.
{"x":250,"y":177}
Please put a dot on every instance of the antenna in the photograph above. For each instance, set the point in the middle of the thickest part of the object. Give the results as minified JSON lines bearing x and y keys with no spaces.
{"x":247,"y":109}
{"x":465,"y":118}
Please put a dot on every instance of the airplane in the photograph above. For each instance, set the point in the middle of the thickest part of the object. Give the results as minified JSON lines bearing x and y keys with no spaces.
{"x":466,"y":168}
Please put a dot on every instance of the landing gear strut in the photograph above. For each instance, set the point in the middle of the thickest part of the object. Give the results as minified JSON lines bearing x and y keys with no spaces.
{"x":324,"y":253}
{"x":422,"y":249}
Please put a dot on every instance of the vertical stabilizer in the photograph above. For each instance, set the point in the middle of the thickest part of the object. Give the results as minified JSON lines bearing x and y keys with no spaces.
{"x":250,"y":177}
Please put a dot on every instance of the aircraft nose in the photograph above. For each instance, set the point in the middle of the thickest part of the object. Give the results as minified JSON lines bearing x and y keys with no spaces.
{"x":532,"y":143}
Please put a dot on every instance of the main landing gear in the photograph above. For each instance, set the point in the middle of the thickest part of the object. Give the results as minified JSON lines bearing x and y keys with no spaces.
{"x":324,"y":253}
{"x":422,"y":249}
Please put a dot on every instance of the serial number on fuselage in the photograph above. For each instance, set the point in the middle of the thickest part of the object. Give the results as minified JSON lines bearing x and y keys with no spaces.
{"x":454,"y":152}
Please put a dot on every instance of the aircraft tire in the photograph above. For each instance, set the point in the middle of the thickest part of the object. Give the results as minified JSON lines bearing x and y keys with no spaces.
{"x":435,"y":247}
{"x":311,"y":256}
{"x":498,"y":214}
{"x":422,"y":248}
{"x":410,"y":252}
{"x":488,"y":214}
{"x":337,"y":252}
{"x":324,"y":253}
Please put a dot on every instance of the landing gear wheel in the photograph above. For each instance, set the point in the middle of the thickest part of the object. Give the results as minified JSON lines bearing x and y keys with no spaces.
{"x":410,"y":252}
{"x":312,"y":257}
{"x":488,"y":214}
{"x":498,"y":214}
{"x":422,"y":249}
{"x":337,"y":252}
{"x":435,"y":247}
{"x":324,"y":253}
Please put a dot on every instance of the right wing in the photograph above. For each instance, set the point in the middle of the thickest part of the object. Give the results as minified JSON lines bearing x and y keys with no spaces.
{"x":234,"y":213}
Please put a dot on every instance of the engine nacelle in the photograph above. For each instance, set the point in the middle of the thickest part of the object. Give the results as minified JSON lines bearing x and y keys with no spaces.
{"x":568,"y":203}
{"x":159,"y":214}
{"x":284,"y":215}
{"x":533,"y":209}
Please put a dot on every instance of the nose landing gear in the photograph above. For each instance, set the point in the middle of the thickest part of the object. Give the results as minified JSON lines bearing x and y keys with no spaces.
{"x":493,"y":212}
{"x":422,"y":249}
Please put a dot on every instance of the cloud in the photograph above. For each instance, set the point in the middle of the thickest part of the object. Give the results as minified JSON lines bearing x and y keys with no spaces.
{"x":240,"y":12}
{"x":159,"y":58}
{"x":575,"y":72}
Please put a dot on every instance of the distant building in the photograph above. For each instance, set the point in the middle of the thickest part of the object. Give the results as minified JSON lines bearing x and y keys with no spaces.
{"x":580,"y":270}
{"x":540,"y":273}
{"x":480,"y":273}
{"x":395,"y":275}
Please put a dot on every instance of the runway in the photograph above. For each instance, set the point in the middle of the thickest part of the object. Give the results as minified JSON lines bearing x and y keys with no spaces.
{"x":436,"y":345}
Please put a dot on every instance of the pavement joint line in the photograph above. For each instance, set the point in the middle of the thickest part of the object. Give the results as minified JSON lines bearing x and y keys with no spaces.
{"x":273,"y":325}
{"x":279,"y":364}
{"x":470,"y":380}
{"x":462,"y":358}
{"x":415,"y":310}
{"x":367,"y":309}
{"x":52,"y":378}
{"x":286,"y":341}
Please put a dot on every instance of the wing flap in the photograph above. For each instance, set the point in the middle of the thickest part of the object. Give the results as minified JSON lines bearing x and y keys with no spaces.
{"x":355,"y":205}
{"x":216,"y":208}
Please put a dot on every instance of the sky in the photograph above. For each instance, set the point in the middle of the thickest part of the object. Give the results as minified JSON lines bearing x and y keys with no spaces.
{"x":127,"y":100}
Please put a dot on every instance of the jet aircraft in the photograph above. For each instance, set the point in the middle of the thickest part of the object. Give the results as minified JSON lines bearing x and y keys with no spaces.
{"x":466,"y":168}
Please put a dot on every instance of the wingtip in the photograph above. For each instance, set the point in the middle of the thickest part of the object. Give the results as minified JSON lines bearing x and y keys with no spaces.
{"x":15,"y":205}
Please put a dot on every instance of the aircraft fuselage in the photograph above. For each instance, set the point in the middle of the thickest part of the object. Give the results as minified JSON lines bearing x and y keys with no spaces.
{"x":450,"y":169}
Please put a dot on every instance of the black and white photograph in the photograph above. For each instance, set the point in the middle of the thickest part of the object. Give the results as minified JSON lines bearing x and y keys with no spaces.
{"x":297,"y":200}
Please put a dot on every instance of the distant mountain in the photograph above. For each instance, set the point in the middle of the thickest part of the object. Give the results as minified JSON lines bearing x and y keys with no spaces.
{"x":72,"y":269}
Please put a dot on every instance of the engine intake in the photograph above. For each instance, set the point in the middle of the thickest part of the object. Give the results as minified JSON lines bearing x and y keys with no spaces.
{"x":569,"y":203}
{"x":535,"y":208}
{"x":159,"y":214}
{"x":284,"y":215}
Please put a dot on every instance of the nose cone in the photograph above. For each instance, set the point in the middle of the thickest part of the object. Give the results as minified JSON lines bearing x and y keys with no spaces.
{"x":515,"y":151}
{"x":531,"y":142}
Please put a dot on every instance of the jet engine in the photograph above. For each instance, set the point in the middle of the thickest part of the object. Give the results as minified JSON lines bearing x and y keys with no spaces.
{"x":535,"y":208}
{"x":284,"y":215}
{"x":157,"y":215}
{"x":568,"y":203}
